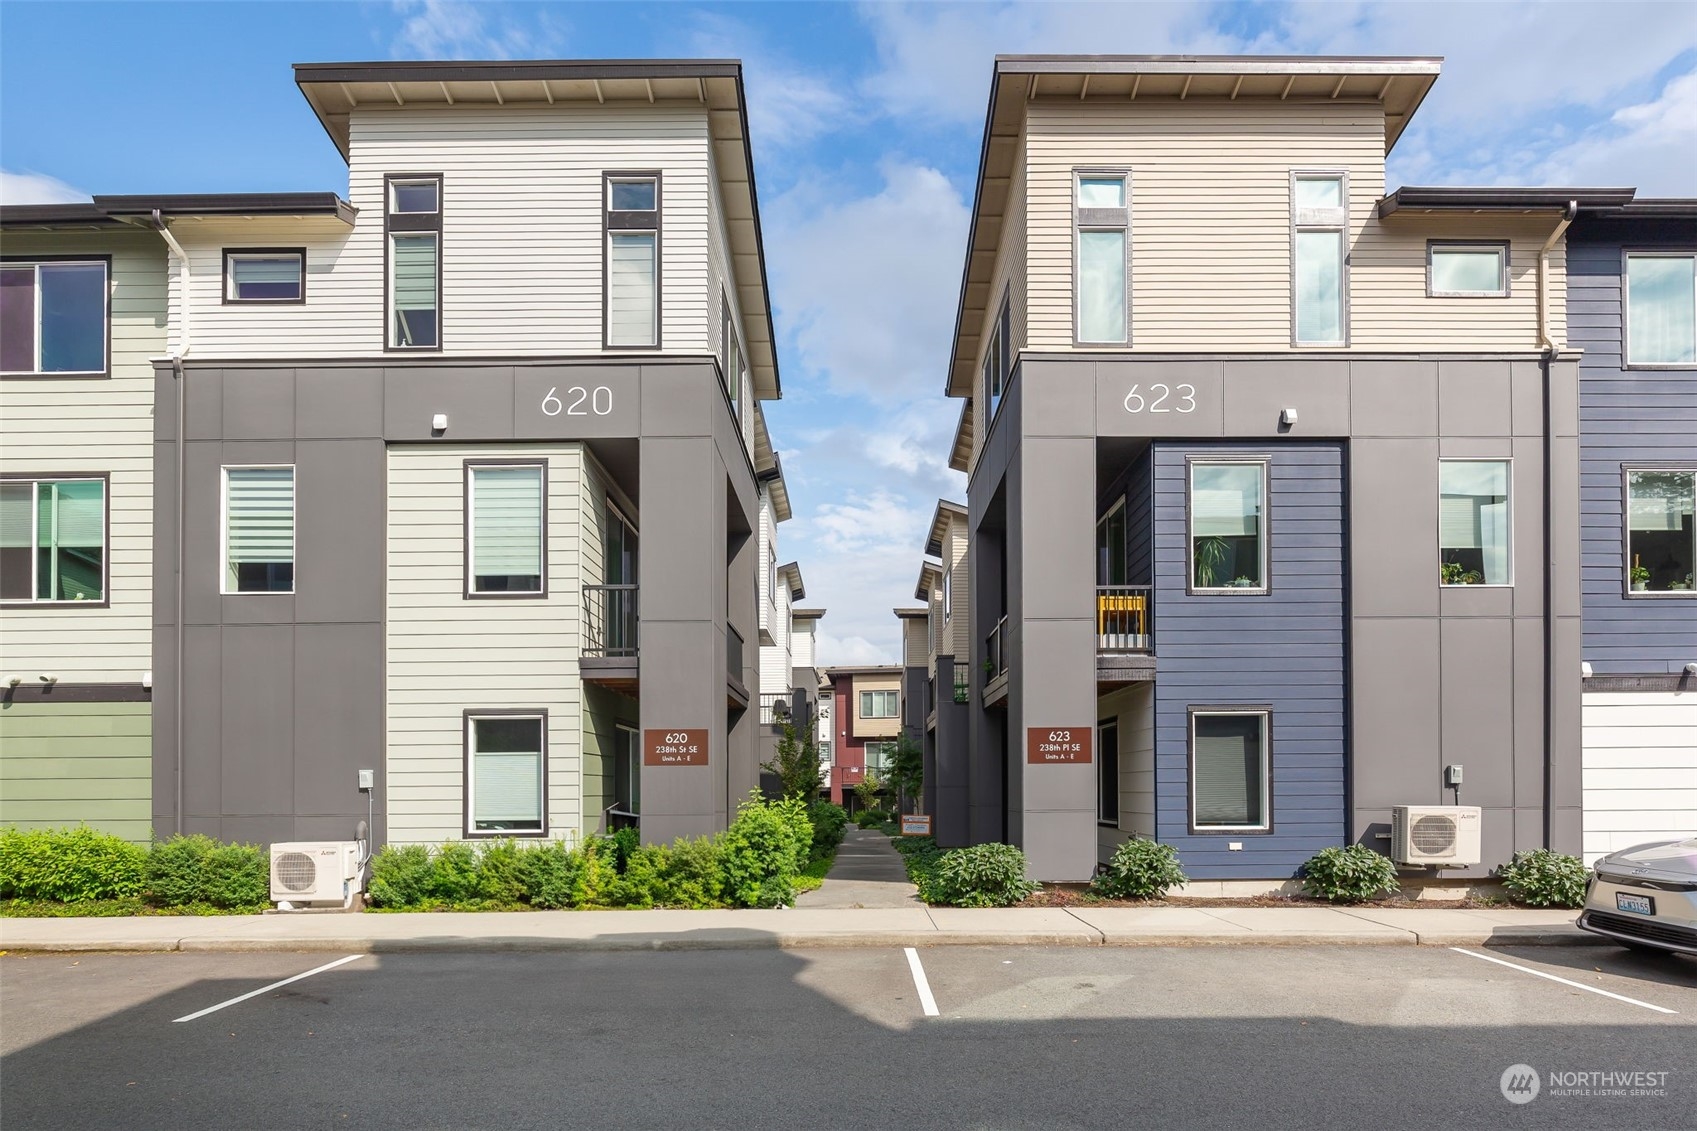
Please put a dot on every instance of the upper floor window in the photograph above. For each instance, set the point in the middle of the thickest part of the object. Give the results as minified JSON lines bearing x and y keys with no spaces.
{"x":1466,"y":269}
{"x":1103,"y":223}
{"x":998,"y":359}
{"x":878,"y":756}
{"x":413,"y":231}
{"x":632,"y":219}
{"x":507,"y":529}
{"x":259,"y":530}
{"x":53,"y":316}
{"x":52,"y":540}
{"x":265,"y":275}
{"x":1661,"y":309}
{"x":1661,"y":530}
{"x":1473,"y":522}
{"x":731,"y":373}
{"x":948,"y":593}
{"x":1228,"y":545}
{"x":1319,"y":282}
{"x":879,"y":704}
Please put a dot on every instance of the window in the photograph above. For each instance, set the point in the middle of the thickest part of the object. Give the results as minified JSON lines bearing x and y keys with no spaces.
{"x":1229,"y":781}
{"x":53,"y":540}
{"x":507,"y":529}
{"x":1467,"y":270}
{"x":506,"y":771}
{"x":1111,"y":566}
{"x":1103,"y":222}
{"x":1319,"y":281}
{"x":633,"y":260}
{"x":259,"y":530}
{"x":948,"y":593}
{"x":732,"y":371}
{"x":53,"y":316}
{"x":413,"y":228}
{"x":998,"y":360}
{"x":265,"y":275}
{"x":1473,"y":522}
{"x":1228,"y":545}
{"x":1108,"y":772}
{"x":1661,"y":310}
{"x":878,"y":755}
{"x":1661,"y":544}
{"x":619,"y":547}
{"x":879,"y":704}
{"x":627,"y":769}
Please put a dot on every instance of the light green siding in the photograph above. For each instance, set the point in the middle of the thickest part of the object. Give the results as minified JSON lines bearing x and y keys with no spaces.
{"x":70,"y":763}
{"x":603,"y":711}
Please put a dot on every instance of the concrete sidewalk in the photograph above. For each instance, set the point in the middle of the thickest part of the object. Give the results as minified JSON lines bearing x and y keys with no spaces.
{"x":801,"y":928}
{"x":867,"y":872}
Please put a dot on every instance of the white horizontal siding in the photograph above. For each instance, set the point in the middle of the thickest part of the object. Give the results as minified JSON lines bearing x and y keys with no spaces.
{"x":446,"y":654}
{"x":1640,"y":768}
{"x":55,"y":425}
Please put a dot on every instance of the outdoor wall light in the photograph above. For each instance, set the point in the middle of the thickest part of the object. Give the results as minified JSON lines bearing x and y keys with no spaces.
{"x":439,"y":422}
{"x":1691,"y":669}
{"x":48,"y":677}
{"x":1287,"y":417}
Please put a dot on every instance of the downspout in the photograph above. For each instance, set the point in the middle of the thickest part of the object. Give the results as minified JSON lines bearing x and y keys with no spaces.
{"x":1547,"y":347}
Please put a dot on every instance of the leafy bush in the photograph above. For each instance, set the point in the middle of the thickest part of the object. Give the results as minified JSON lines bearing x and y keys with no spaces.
{"x":1542,"y":878}
{"x":453,"y":872}
{"x":694,"y":877}
{"x":1140,"y":869}
{"x":622,"y":843}
{"x":872,"y":818}
{"x":764,"y":850}
{"x":984,"y":875}
{"x":187,"y":870}
{"x":400,"y":876}
{"x":829,"y":823}
{"x":500,"y":871}
{"x":1348,"y":875}
{"x":549,"y":873}
{"x":73,"y":865}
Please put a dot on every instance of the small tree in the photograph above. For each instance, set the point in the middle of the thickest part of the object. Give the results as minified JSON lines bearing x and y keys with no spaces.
{"x":907,"y":769}
{"x":866,"y":792}
{"x":796,"y":764}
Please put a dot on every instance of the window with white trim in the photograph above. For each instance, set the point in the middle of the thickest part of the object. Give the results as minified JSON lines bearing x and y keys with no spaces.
{"x":1228,"y":541}
{"x":1661,"y":530}
{"x":52,"y":540}
{"x":53,"y":316}
{"x":264,"y":275}
{"x":627,"y":769}
{"x":1319,"y":217}
{"x":879,"y":704}
{"x":878,"y":755}
{"x":1102,"y":233}
{"x":506,"y":771}
{"x":1661,"y":309}
{"x":506,"y":536}
{"x":413,"y":227}
{"x":1475,"y":534}
{"x":1466,"y":269}
{"x":1230,"y":771}
{"x":632,"y":218}
{"x":259,"y":530}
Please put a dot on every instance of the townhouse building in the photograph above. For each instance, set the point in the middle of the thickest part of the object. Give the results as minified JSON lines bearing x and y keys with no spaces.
{"x":944,"y":587}
{"x":918,"y":694}
{"x":82,"y":313}
{"x":784,"y":699}
{"x":1632,"y":309}
{"x":866,"y":718}
{"x":1273,"y":473}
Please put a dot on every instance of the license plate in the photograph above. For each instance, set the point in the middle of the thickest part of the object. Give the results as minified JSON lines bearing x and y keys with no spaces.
{"x":1637,"y":904}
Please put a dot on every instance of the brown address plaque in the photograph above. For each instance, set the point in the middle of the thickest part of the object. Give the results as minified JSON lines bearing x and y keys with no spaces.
{"x":674,"y":747}
{"x":1049,"y":746}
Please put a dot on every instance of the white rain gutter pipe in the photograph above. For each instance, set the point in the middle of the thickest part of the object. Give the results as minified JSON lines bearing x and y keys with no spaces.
{"x":1567,"y":216}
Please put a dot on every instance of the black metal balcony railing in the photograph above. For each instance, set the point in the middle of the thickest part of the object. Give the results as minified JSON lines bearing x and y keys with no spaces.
{"x":995,"y":652}
{"x":774,"y":710}
{"x":1125,"y":619}
{"x":733,"y":653}
{"x":609,"y":621}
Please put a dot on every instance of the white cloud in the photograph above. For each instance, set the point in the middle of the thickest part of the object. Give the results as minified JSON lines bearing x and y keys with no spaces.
{"x":462,"y":29}
{"x":853,"y":651}
{"x":786,"y":105}
{"x":861,"y":556}
{"x":37,"y":188}
{"x":1652,"y":145}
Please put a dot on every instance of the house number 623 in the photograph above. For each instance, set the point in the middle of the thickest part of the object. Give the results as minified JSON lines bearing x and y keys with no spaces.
{"x":1158,"y":396}
{"x":599,"y":399}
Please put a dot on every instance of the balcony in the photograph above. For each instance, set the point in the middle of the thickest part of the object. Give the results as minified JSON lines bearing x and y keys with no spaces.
{"x":736,"y":693}
{"x":1125,"y":634}
{"x":775,"y":711}
{"x":610,"y":624}
{"x":996,"y":666}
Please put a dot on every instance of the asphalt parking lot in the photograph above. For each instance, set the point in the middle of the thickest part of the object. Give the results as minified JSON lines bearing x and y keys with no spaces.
{"x":1023,"y":1037}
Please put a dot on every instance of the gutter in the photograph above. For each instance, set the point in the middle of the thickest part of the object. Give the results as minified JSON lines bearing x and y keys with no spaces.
{"x":1545,"y":365}
{"x":1567,"y":216}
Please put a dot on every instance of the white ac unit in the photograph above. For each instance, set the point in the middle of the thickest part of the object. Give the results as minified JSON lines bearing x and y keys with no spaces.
{"x":309,"y":872}
{"x":1445,"y":836}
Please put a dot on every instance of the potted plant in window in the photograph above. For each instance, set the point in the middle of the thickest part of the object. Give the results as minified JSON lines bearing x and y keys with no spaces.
{"x":1639,"y":576}
{"x":1211,"y":554}
{"x":1243,"y":583}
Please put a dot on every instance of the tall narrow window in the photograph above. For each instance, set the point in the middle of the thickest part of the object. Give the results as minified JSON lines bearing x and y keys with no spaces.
{"x":53,"y":316}
{"x":413,"y":228}
{"x":1111,"y":546}
{"x":633,"y":259}
{"x":731,"y":373}
{"x":1108,"y":772}
{"x":259,"y":530}
{"x":627,"y":770}
{"x":1661,"y":534}
{"x":1229,"y":772}
{"x":1320,"y":283}
{"x":1473,"y":522}
{"x":52,"y":540}
{"x":998,"y":360}
{"x":507,"y":538}
{"x":1661,"y":309}
{"x":1228,"y":545}
{"x":1103,"y":221}
{"x":506,"y":772}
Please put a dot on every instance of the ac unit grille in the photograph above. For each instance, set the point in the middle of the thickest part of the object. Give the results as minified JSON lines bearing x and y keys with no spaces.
{"x":295,"y":871}
{"x":1433,"y":836}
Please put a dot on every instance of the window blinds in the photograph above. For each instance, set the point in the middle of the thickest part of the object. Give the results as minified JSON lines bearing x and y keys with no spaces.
{"x":630,"y":290}
{"x":1228,"y":770}
{"x":414,"y":267}
{"x":507,"y":773}
{"x":1661,"y":309}
{"x":260,"y":515}
{"x":506,"y":515}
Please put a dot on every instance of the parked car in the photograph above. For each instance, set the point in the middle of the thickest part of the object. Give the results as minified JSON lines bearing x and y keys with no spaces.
{"x":1645,"y":897}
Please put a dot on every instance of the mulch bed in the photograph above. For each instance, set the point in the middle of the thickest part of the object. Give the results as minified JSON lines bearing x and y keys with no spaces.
{"x":1080,"y":895}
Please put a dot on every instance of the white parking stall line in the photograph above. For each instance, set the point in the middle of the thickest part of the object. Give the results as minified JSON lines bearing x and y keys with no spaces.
{"x":926,"y":1001}
{"x":1564,"y":981}
{"x":268,"y":989}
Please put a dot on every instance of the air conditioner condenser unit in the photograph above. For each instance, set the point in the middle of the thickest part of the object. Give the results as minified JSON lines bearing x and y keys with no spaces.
{"x":306,"y":873}
{"x":1442,"y":836}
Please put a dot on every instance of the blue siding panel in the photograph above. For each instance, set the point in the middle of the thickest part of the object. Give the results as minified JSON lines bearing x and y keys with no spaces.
{"x":1284,"y":650}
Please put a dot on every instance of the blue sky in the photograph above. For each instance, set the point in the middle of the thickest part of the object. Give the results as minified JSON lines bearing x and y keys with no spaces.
{"x":866,"y":121}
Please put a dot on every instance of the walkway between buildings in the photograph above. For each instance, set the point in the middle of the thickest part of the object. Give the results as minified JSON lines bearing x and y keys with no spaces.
{"x":867,"y":873}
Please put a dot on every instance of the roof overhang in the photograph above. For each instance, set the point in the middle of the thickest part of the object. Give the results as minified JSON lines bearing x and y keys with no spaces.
{"x":335,"y":90}
{"x":1450,"y":199}
{"x":769,"y":468}
{"x":238,"y":205}
{"x":1399,"y":83}
{"x":930,"y":577}
{"x":54,"y":216}
{"x":940,"y":519}
{"x":912,"y":614}
{"x":791,"y":573}
{"x":1649,"y":208}
{"x":960,"y":451}
{"x":807,"y":614}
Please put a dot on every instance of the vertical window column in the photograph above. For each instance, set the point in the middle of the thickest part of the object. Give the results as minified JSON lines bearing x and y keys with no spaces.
{"x":1102,"y":222}
{"x":632,"y":220}
{"x":413,"y":231}
{"x":1319,"y":213}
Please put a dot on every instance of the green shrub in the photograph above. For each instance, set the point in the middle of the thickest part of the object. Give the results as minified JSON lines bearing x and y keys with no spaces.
{"x":187,"y":870}
{"x":597,"y":874}
{"x":72,"y":865}
{"x":1542,"y":878}
{"x":621,"y":843}
{"x":500,"y":871}
{"x":1348,"y":875}
{"x":984,"y":875}
{"x":400,"y":876}
{"x":646,"y":880}
{"x":694,"y":878}
{"x":829,"y":823}
{"x":871,"y":818}
{"x":548,"y":874}
{"x":453,"y":872}
{"x":764,"y":850}
{"x":1140,"y":869}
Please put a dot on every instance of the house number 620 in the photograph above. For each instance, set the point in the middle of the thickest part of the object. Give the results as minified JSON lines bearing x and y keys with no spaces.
{"x":1158,"y":395}
{"x":599,"y":399}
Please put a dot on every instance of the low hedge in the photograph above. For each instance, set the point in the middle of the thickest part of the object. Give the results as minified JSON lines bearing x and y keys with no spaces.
{"x":1353,"y":874}
{"x":1542,"y":878}
{"x":1140,"y":869}
{"x":83,"y":867}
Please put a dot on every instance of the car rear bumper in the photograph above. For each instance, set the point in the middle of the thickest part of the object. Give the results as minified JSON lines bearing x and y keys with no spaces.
{"x":1661,"y":934}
